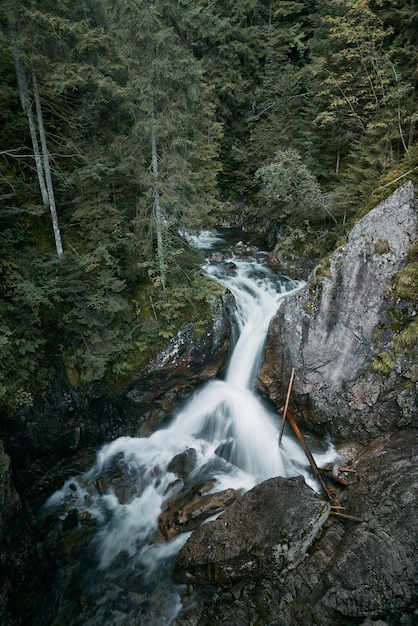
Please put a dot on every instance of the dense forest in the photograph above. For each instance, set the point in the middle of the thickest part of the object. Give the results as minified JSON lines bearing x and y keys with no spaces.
{"x":126,"y":125}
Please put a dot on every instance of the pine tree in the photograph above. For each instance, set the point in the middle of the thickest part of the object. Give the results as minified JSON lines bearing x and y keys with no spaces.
{"x":171,"y":126}
{"x":278,"y":118}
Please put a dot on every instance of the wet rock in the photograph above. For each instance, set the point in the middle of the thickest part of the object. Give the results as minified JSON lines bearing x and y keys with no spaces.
{"x":182,"y":464}
{"x":71,"y":520}
{"x":186,"y":362}
{"x":344,"y":317}
{"x":263,"y":534}
{"x":186,"y":511}
{"x":63,"y":422}
{"x":354,"y":573}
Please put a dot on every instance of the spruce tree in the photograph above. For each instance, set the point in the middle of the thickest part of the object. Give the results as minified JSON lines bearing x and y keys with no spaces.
{"x":171,"y":125}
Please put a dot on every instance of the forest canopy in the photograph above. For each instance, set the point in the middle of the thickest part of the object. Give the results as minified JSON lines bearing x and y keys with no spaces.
{"x":124,"y":124}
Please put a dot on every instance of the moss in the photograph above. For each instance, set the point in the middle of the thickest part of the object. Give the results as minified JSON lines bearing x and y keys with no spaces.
{"x":384,"y":363}
{"x":322,"y":271}
{"x":308,"y":307}
{"x":73,"y":376}
{"x":408,"y":337}
{"x":381,"y":246}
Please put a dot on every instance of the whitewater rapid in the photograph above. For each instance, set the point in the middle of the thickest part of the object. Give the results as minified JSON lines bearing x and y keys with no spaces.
{"x":233,"y":432}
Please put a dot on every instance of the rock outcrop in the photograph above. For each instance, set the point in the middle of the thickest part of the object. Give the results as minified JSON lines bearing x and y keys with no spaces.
{"x":362,"y":572}
{"x":186,"y":362}
{"x":57,"y":438}
{"x":65,"y":422}
{"x":344,"y":317}
{"x":260,"y":536}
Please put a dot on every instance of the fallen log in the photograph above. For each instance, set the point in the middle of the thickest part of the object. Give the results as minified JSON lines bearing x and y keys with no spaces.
{"x":331,"y":476}
{"x":311,"y":460}
{"x":286,"y":406}
{"x":343,"y":470}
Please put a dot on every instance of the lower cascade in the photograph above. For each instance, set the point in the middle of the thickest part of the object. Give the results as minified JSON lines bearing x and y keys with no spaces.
{"x":230,"y":436}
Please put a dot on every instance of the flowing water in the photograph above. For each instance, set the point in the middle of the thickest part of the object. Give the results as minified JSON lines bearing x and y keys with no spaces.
{"x":234,"y":434}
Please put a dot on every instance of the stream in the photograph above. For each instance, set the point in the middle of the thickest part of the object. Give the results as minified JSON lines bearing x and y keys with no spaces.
{"x":121,"y":570}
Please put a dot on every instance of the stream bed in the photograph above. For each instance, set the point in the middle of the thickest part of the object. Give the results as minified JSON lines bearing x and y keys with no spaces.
{"x":116,"y":566}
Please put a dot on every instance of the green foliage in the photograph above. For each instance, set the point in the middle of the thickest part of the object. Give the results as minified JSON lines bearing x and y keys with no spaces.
{"x":406,"y":287}
{"x":27,"y":294}
{"x":314,"y":97}
{"x":289,"y":189}
{"x":406,"y":335}
{"x":384,"y":363}
{"x":4,"y":460}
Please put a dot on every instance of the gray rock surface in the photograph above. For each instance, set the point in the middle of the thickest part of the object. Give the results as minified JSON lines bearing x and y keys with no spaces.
{"x":331,"y":331}
{"x":376,"y":571}
{"x":186,"y":362}
{"x":187,"y":510}
{"x":262,"y":535}
{"x":353,"y":573}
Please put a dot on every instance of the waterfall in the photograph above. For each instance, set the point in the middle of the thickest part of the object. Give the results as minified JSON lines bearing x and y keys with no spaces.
{"x":234,"y":435}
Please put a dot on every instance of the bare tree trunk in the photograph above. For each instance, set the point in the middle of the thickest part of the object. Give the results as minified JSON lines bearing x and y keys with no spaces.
{"x":27,"y":108}
{"x":158,"y":214}
{"x":47,"y":168}
{"x":43,"y":169}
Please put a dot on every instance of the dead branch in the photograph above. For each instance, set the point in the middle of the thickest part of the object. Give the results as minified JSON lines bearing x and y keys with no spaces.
{"x":311,"y":460}
{"x":286,"y":406}
{"x":345,"y":516}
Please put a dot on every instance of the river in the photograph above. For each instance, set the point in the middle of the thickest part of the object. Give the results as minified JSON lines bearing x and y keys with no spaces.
{"x":122,"y":574}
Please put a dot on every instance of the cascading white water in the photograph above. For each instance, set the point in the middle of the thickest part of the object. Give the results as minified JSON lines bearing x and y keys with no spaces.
{"x":234,"y":434}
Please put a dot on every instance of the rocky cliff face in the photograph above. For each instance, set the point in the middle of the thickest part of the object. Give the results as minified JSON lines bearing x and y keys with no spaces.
{"x":23,"y":559}
{"x":344,"y":317}
{"x":50,"y":441}
{"x":348,"y":573}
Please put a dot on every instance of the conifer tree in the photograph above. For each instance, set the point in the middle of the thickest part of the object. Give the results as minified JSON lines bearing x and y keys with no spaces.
{"x":278,"y":112}
{"x":170,"y":124}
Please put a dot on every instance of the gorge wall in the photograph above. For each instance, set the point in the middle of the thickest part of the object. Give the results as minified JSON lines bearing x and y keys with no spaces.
{"x":331,"y":331}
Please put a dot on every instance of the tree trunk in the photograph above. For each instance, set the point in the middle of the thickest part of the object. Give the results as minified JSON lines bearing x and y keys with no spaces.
{"x":47,"y":168}
{"x":27,"y":108}
{"x":157,"y":206}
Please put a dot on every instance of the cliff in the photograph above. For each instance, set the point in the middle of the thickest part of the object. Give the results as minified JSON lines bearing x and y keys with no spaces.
{"x":331,"y":331}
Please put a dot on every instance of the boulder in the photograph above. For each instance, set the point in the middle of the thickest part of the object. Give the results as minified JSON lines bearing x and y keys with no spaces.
{"x":344,"y":317}
{"x":376,"y":571}
{"x":187,"y":510}
{"x":186,"y":362}
{"x":261,"y":535}
{"x":355,"y":572}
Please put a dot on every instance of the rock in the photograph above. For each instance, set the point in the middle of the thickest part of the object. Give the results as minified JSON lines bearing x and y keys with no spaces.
{"x":262,"y":535}
{"x":376,"y":570}
{"x":44,"y":439}
{"x":332,"y":329}
{"x":354,"y":573}
{"x":21,"y":553}
{"x":186,"y":511}
{"x":186,"y":362}
{"x":183,"y":463}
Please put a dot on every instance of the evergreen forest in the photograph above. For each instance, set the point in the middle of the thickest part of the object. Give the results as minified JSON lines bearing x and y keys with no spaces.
{"x":126,"y":126}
